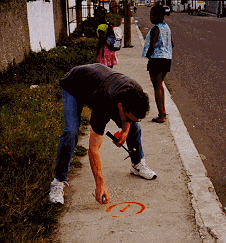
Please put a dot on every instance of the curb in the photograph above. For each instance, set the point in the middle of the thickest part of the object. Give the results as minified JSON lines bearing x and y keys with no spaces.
{"x":209,"y":214}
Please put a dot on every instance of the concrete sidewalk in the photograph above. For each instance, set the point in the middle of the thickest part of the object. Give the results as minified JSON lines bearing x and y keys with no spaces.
{"x":180,"y":205}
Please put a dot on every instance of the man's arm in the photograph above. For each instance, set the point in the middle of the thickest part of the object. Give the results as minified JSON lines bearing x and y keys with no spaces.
{"x":95,"y":142}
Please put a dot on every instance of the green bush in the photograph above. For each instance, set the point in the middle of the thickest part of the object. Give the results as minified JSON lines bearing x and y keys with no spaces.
{"x":46,"y":66}
{"x":88,"y":27}
{"x":114,"y":18}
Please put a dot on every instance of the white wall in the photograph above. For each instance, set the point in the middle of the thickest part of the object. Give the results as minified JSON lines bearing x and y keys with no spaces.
{"x":41,"y":25}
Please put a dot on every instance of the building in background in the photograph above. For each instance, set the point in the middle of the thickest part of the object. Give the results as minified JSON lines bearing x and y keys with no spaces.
{"x":178,"y":5}
{"x":217,"y":7}
{"x":105,"y":4}
{"x":181,"y":5}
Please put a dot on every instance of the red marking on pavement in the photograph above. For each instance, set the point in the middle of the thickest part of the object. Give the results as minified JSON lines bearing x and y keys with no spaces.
{"x":124,"y":209}
{"x":142,"y":206}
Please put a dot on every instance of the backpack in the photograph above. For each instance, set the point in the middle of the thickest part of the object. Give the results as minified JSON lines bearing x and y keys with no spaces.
{"x":114,"y":38}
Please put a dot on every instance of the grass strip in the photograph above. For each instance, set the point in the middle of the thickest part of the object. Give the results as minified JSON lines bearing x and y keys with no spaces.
{"x":31,"y":121}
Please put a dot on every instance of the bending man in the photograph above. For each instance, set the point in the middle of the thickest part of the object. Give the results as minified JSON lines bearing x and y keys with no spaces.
{"x":111,"y":96}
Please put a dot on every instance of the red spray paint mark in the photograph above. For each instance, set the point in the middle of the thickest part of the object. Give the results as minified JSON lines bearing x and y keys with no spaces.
{"x":129,"y":204}
{"x":124,"y":209}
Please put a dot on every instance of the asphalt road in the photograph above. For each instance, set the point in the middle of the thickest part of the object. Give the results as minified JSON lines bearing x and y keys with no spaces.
{"x":197,"y":84}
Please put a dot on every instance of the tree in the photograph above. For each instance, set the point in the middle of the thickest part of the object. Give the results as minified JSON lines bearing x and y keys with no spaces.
{"x":127,"y":24}
{"x":78,"y":12}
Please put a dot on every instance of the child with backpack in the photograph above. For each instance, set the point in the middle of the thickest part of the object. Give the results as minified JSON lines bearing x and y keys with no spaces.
{"x":158,"y":49}
{"x":104,"y":54}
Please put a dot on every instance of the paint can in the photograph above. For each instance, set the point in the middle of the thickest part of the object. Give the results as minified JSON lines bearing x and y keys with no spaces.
{"x":103,"y":198}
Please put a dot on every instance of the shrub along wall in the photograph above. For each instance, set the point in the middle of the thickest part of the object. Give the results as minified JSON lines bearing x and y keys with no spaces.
{"x":47,"y":66}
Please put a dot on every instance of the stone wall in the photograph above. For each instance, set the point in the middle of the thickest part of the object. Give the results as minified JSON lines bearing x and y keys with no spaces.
{"x":14,"y":31}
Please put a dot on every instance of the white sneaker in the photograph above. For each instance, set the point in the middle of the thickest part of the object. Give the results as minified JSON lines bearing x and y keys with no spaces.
{"x":56,"y":194}
{"x":143,"y":170}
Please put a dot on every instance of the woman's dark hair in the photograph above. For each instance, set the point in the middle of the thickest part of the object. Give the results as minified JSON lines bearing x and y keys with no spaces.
{"x":134,"y":101}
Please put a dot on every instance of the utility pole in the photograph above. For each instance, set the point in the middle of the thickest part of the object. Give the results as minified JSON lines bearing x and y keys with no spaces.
{"x":88,"y":7}
{"x":219,"y":9}
{"x":78,"y":12}
{"x":127,"y":24}
{"x":223,"y":9}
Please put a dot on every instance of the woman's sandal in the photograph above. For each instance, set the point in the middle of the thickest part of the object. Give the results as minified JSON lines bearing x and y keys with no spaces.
{"x":158,"y":120}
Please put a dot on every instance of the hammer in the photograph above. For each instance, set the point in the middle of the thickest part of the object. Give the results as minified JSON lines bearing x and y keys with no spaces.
{"x":131,"y":153}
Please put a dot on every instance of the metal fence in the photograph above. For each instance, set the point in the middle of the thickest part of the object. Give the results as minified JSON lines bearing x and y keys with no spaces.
{"x":77,"y":14}
{"x":86,"y":10}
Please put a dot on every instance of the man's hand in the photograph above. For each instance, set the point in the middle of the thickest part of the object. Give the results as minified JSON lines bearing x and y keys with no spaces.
{"x":122,"y":139}
{"x":101,"y":190}
{"x":124,"y":133}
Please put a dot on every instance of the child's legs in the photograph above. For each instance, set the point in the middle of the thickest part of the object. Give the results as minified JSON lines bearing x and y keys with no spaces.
{"x":163,"y":92}
{"x":69,"y":137}
{"x":157,"y":79}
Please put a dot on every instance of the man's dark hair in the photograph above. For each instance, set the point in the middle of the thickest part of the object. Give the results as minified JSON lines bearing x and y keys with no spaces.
{"x":134,"y":101}
{"x":158,"y":11}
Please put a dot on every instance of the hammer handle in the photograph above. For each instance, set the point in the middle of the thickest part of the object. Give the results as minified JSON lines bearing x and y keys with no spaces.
{"x":112,"y":137}
{"x":116,"y":140}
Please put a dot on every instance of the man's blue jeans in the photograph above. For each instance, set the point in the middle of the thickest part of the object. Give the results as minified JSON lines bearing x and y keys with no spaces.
{"x":69,"y":138}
